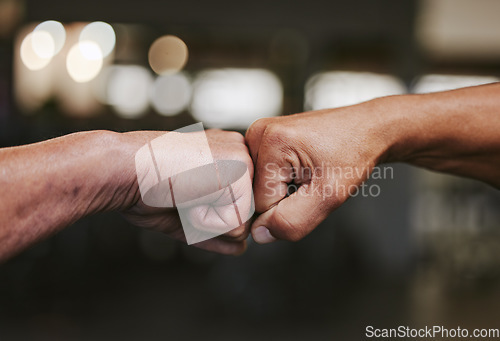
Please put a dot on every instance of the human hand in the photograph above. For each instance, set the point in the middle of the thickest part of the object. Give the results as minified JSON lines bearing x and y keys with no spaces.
{"x":214,"y":212}
{"x":307,"y":165}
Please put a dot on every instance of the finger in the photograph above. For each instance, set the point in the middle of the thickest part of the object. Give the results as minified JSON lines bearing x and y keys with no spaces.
{"x":273,"y":172}
{"x":293,"y":217}
{"x":238,"y":234}
{"x":218,"y":245}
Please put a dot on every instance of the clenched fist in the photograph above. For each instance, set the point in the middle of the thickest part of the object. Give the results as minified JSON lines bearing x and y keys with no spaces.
{"x":306,"y":165}
{"x":206,"y":190}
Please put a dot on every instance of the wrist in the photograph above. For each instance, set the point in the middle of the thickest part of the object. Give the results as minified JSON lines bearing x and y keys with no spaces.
{"x":121,"y":158}
{"x":399,"y":127}
{"x":381,"y":128}
{"x":113,"y":170}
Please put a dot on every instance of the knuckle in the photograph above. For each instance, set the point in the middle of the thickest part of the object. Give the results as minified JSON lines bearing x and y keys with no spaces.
{"x":256,"y":127}
{"x":240,"y":153}
{"x":280,"y":133}
{"x":214,"y":131}
{"x":260,"y":123}
{"x":236,"y":136}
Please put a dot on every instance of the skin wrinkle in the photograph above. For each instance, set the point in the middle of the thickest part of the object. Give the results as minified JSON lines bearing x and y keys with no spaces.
{"x":220,"y":216}
{"x":223,"y":205}
{"x":293,"y":233}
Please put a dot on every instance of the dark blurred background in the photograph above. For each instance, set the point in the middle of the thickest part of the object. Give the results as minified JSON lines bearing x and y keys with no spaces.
{"x":425,"y":251}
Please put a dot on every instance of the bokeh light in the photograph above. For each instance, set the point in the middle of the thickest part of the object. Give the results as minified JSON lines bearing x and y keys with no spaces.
{"x":43,"y":44}
{"x":30,"y":58}
{"x":341,"y":88}
{"x":234,"y":98}
{"x":168,"y":55}
{"x":48,"y":38}
{"x":31,"y":88}
{"x":101,"y":34}
{"x":171,"y":94}
{"x":435,"y":83}
{"x":127,"y":89}
{"x":84,"y":61}
{"x":75,"y":98}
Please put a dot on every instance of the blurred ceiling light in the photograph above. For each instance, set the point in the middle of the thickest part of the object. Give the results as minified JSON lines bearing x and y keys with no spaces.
{"x":31,"y":88}
{"x":128,"y":90}
{"x":101,"y":34}
{"x":435,"y":83}
{"x":43,"y":44}
{"x":77,"y":99}
{"x":171,"y":94}
{"x":48,"y":38}
{"x":341,"y":88}
{"x":168,"y":55}
{"x":84,"y":61}
{"x":234,"y":98}
{"x":30,"y":58}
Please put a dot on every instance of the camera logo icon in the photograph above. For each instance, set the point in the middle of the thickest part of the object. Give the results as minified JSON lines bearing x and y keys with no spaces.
{"x":211,"y":196}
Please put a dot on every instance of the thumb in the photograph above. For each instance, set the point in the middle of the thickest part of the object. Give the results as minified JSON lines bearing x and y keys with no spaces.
{"x":293,"y":217}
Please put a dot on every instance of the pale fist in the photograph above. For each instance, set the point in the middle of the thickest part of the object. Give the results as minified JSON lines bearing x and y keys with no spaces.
{"x":213,"y":198}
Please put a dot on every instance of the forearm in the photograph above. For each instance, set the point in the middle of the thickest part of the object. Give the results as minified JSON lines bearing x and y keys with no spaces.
{"x":49,"y":185}
{"x":455,"y":132}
